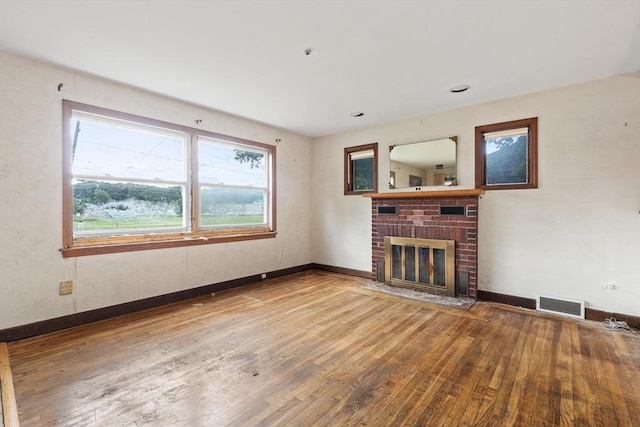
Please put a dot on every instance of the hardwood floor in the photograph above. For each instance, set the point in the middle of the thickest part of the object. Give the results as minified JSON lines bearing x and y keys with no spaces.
{"x":8,"y":407}
{"x":316,"y":349}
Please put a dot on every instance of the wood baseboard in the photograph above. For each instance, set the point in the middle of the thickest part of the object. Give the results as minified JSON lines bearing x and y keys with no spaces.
{"x":51,"y":325}
{"x":599,"y":315}
{"x":589,"y":313}
{"x":507,"y":299}
{"x":341,"y":270}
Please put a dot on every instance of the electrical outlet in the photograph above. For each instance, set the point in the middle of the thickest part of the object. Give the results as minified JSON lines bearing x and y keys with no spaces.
{"x":281,"y":255}
{"x":66,"y":287}
{"x":609,"y":285}
{"x":263,"y":275}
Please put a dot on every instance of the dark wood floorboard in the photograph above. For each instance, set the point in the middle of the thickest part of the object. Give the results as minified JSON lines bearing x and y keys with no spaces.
{"x":315,"y":349}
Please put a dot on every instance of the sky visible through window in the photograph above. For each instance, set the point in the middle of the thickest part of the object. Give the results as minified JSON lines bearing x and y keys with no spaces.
{"x":218,"y":165}
{"x":490,"y":146}
{"x":114,"y":152}
{"x":120,"y":153}
{"x":494,"y":141}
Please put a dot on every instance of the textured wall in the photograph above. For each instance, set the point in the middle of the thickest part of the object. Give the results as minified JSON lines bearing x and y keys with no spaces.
{"x":31,"y":265}
{"x":581,"y":226}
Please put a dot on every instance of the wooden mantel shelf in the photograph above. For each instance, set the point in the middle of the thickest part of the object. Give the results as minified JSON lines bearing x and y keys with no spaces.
{"x":426,"y":194}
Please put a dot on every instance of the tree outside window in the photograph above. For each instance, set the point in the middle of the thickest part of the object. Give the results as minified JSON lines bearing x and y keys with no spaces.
{"x":506,"y":155}
{"x":361,"y":169}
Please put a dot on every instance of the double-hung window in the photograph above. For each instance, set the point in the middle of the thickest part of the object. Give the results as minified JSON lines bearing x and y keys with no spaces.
{"x":133,"y":183}
{"x":233,"y":185}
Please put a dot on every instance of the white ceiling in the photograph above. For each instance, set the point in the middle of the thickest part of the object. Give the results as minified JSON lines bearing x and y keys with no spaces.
{"x":388,"y":59}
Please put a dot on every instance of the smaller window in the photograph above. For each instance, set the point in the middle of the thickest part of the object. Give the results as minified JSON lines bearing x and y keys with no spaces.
{"x":507,"y":155}
{"x":361,"y":169}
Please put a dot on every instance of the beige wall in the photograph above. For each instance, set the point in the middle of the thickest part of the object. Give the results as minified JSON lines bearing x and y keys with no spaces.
{"x":31,"y":266}
{"x":581,"y":226}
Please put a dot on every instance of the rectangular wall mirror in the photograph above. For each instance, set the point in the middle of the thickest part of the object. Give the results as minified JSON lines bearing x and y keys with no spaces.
{"x":422,"y":164}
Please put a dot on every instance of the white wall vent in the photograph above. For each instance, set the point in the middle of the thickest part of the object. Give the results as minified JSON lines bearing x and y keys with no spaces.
{"x":566,"y":307}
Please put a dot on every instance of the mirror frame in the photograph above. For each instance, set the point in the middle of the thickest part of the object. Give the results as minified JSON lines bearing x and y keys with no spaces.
{"x":444,"y":179}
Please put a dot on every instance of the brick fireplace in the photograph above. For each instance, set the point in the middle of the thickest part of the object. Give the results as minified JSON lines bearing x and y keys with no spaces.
{"x":437,"y":215}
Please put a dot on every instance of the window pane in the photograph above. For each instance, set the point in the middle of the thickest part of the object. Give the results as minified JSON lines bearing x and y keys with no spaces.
{"x":228,"y":164}
{"x":101,"y":207}
{"x":363,"y":174}
{"x":220,"y":207}
{"x":121,"y":151}
{"x":506,"y":158}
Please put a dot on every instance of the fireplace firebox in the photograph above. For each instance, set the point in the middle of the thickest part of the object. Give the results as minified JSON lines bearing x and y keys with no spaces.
{"x":421,"y":264}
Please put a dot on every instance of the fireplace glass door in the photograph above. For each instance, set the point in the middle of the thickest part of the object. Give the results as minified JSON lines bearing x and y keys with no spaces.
{"x":420,"y":264}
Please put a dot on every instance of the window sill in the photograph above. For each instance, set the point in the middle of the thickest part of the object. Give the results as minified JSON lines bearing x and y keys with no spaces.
{"x":110,"y":248}
{"x":509,"y":186}
{"x":359,"y":193}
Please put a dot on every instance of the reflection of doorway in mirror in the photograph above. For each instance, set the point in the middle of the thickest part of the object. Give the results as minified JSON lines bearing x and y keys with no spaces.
{"x":392,"y":180}
{"x":441,"y":176}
